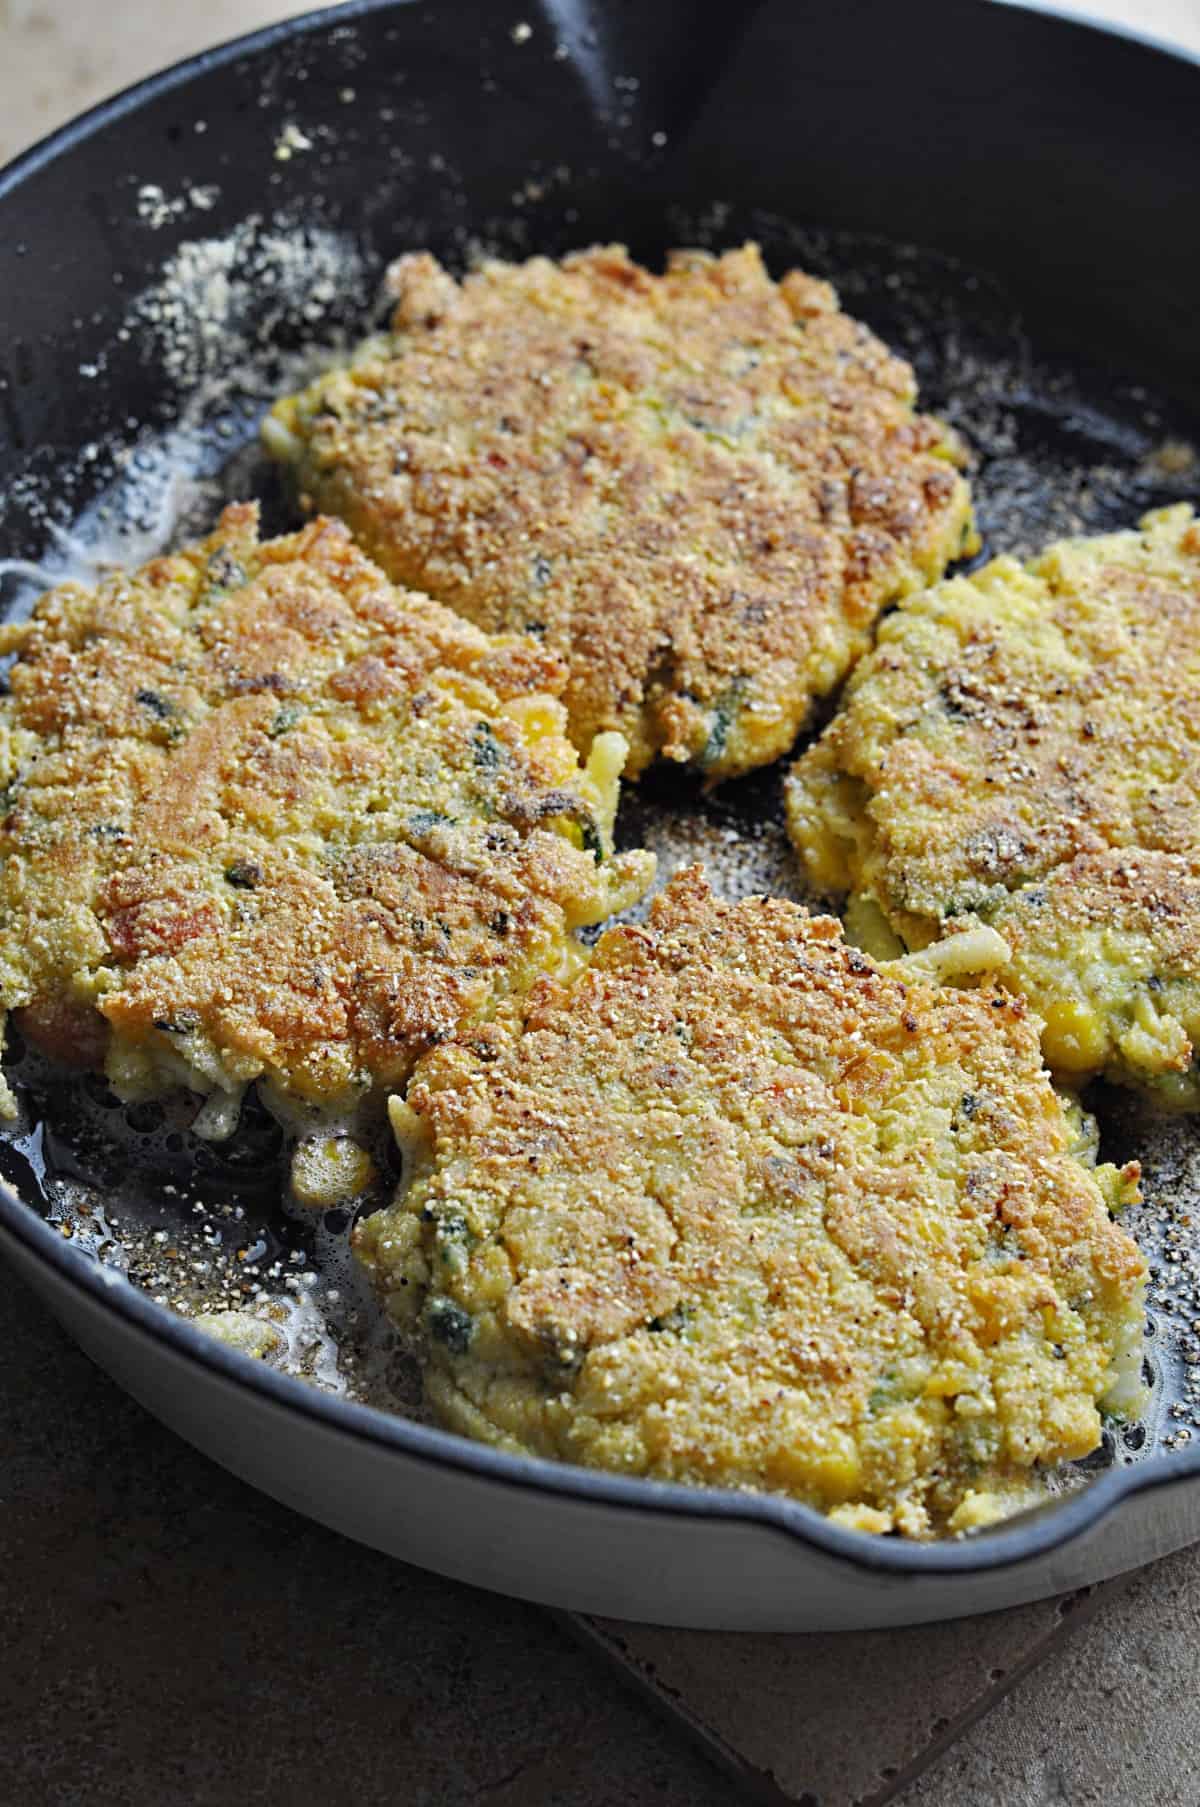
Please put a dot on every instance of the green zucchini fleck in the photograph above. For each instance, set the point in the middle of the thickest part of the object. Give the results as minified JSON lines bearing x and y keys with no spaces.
{"x":223,"y":573}
{"x":244,"y":875}
{"x":449,"y":1324}
{"x":886,"y":1392}
{"x":485,"y":748}
{"x":166,"y":722}
{"x":422,"y":822}
{"x":725,"y":713}
{"x":593,"y":841}
{"x":285,"y":718}
{"x":673,"y":1322}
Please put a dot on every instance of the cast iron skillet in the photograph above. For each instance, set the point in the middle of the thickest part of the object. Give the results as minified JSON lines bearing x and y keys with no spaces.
{"x":1009,"y":196}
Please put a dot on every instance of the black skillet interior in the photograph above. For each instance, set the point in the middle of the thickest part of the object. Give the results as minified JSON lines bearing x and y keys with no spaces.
{"x":1007,"y":197}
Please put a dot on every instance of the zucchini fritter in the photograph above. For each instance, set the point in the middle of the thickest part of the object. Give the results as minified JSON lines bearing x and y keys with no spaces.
{"x":740,"y":1207}
{"x":701,"y":488}
{"x":1023,"y":750}
{"x":269,"y":817}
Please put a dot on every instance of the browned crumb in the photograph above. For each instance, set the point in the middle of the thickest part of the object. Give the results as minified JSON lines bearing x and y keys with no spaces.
{"x":701,"y":488}
{"x":269,"y":817}
{"x":741,"y":1207}
{"x":1023,"y":749}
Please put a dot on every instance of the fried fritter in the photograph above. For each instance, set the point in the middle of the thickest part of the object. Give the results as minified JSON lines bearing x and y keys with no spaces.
{"x":1023,"y":750}
{"x":701,"y":488}
{"x":268,"y":817}
{"x":740,"y":1207}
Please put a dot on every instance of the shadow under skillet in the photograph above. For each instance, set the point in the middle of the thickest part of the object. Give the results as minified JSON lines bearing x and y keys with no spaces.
{"x":173,"y":1636}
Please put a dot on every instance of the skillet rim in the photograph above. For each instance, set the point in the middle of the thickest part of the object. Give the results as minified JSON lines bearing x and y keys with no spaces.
{"x":1042,"y":1532}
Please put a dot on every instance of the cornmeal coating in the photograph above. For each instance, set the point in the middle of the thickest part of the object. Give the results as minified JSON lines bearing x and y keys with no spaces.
{"x":1023,"y":750}
{"x":269,"y":817}
{"x":740,"y":1207}
{"x":701,"y":488}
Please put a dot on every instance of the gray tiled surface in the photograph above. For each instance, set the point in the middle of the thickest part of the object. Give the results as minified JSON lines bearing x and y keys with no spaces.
{"x":1111,"y":1721}
{"x":846,"y":1719}
{"x":60,"y":56}
{"x":171,"y":1637}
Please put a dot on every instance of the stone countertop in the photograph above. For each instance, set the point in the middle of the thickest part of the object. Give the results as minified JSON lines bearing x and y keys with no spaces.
{"x":173,"y":1637}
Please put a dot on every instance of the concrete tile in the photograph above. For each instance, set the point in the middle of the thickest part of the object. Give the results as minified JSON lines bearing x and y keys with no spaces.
{"x":171,"y":1637}
{"x":61,"y":56}
{"x":1111,"y":1722}
{"x":837,"y":1721}
{"x":1174,"y":21}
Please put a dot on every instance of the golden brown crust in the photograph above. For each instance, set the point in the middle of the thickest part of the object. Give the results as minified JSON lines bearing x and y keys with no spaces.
{"x":1023,"y":748}
{"x":700,"y":487}
{"x":741,"y":1207}
{"x":270,"y":815}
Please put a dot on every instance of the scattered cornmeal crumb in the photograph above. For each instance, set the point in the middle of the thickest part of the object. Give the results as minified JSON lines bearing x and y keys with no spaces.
{"x":741,"y":1207}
